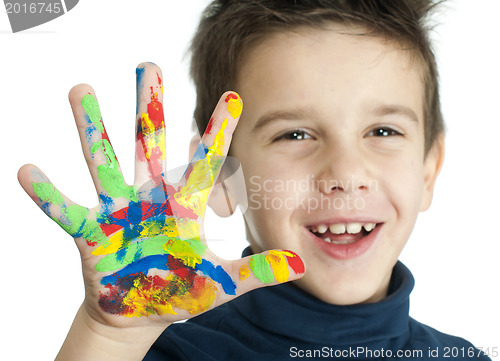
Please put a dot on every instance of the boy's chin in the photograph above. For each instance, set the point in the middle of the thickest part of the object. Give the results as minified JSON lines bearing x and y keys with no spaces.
{"x":342,"y":293}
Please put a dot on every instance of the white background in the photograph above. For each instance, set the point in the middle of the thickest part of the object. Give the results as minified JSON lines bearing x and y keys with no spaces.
{"x":453,"y":252}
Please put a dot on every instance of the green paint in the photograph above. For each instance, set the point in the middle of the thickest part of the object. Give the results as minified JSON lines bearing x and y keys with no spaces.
{"x":82,"y":226}
{"x":91,"y":107}
{"x":75,"y":219}
{"x":197,"y":246}
{"x":261,"y":268}
{"x":110,"y":175}
{"x":48,"y":193}
{"x":77,"y":216}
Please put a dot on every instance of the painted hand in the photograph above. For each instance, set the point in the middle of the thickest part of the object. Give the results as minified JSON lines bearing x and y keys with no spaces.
{"x":143,"y":250}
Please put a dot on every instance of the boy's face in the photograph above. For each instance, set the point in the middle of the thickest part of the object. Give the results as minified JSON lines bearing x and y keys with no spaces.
{"x":332,"y":137}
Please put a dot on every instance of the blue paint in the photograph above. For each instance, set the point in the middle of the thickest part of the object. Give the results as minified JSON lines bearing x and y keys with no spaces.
{"x":157,"y":194}
{"x":134,"y":213}
{"x":141,"y":266}
{"x":218,"y":275}
{"x":107,"y":204}
{"x":89,"y":131}
{"x":200,"y":153}
{"x":46,"y":209}
{"x":122,"y":252}
{"x":139,"y":73}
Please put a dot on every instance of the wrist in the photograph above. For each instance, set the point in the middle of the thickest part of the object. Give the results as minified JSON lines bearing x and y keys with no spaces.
{"x":89,"y":339}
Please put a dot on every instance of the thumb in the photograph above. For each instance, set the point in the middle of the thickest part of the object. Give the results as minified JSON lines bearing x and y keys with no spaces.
{"x":266,"y":269}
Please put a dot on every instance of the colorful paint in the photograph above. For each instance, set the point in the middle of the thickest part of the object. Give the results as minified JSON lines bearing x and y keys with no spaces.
{"x":150,"y":253}
{"x":274,"y":266}
{"x":138,"y":242}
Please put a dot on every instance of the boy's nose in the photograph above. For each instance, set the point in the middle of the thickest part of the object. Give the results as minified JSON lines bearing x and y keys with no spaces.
{"x":344,"y":172}
{"x":342,"y":185}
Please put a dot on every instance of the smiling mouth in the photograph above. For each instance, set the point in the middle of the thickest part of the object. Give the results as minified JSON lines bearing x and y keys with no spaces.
{"x":342,"y":233}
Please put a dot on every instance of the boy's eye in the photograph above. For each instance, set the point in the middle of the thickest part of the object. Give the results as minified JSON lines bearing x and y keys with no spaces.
{"x":296,"y":134}
{"x":383,"y":132}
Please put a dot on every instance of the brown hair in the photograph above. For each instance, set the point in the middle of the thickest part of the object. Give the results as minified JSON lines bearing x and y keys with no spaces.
{"x":228,"y":27}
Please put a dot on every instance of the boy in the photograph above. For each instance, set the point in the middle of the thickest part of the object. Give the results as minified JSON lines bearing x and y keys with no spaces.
{"x":340,"y":96}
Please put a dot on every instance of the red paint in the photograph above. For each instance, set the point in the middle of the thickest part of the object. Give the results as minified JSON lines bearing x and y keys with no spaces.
{"x":295,"y":263}
{"x":109,"y":229}
{"x":198,"y":286}
{"x":159,"y":282}
{"x":104,"y":135}
{"x":155,"y":112}
{"x":209,"y":126}
{"x":178,"y":268}
{"x":231,"y":96}
{"x":112,"y":301}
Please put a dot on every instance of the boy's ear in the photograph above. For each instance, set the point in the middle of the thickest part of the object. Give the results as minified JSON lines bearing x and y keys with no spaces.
{"x":432,"y":166}
{"x":229,"y":190}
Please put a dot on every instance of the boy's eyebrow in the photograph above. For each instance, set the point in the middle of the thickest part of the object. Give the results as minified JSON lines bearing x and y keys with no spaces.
{"x":395,"y":109}
{"x":294,"y":114}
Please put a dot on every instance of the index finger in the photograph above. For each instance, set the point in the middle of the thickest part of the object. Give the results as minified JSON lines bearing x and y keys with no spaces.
{"x":209,"y":157}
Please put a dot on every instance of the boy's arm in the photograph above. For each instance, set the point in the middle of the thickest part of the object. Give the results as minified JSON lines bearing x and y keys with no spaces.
{"x":145,"y":260}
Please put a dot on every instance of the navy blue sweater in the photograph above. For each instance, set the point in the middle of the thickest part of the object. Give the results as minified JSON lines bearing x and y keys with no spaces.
{"x":284,"y":323}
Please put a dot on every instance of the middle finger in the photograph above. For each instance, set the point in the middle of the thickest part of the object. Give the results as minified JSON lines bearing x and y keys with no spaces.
{"x":150,"y":155}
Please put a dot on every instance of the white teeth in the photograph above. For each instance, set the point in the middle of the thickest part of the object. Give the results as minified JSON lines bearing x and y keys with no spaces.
{"x":327,"y":240}
{"x":340,"y":228}
{"x":369,"y":226}
{"x":322,"y":228}
{"x":337,"y":228}
{"x":353,"y":228}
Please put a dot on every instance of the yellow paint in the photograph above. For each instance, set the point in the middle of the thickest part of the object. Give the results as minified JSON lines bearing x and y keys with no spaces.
{"x":154,"y":139}
{"x":235,"y":107}
{"x":194,"y":194}
{"x":183,"y":251}
{"x":143,"y":301}
{"x":188,"y":228}
{"x":244,"y":272}
{"x":277,"y":261}
{"x":197,"y":301}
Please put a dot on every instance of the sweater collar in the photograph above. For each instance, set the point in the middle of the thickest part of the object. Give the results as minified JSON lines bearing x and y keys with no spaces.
{"x":287,"y":310}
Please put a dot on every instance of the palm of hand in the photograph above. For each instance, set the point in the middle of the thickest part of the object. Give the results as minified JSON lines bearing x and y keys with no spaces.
{"x":142,"y":248}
